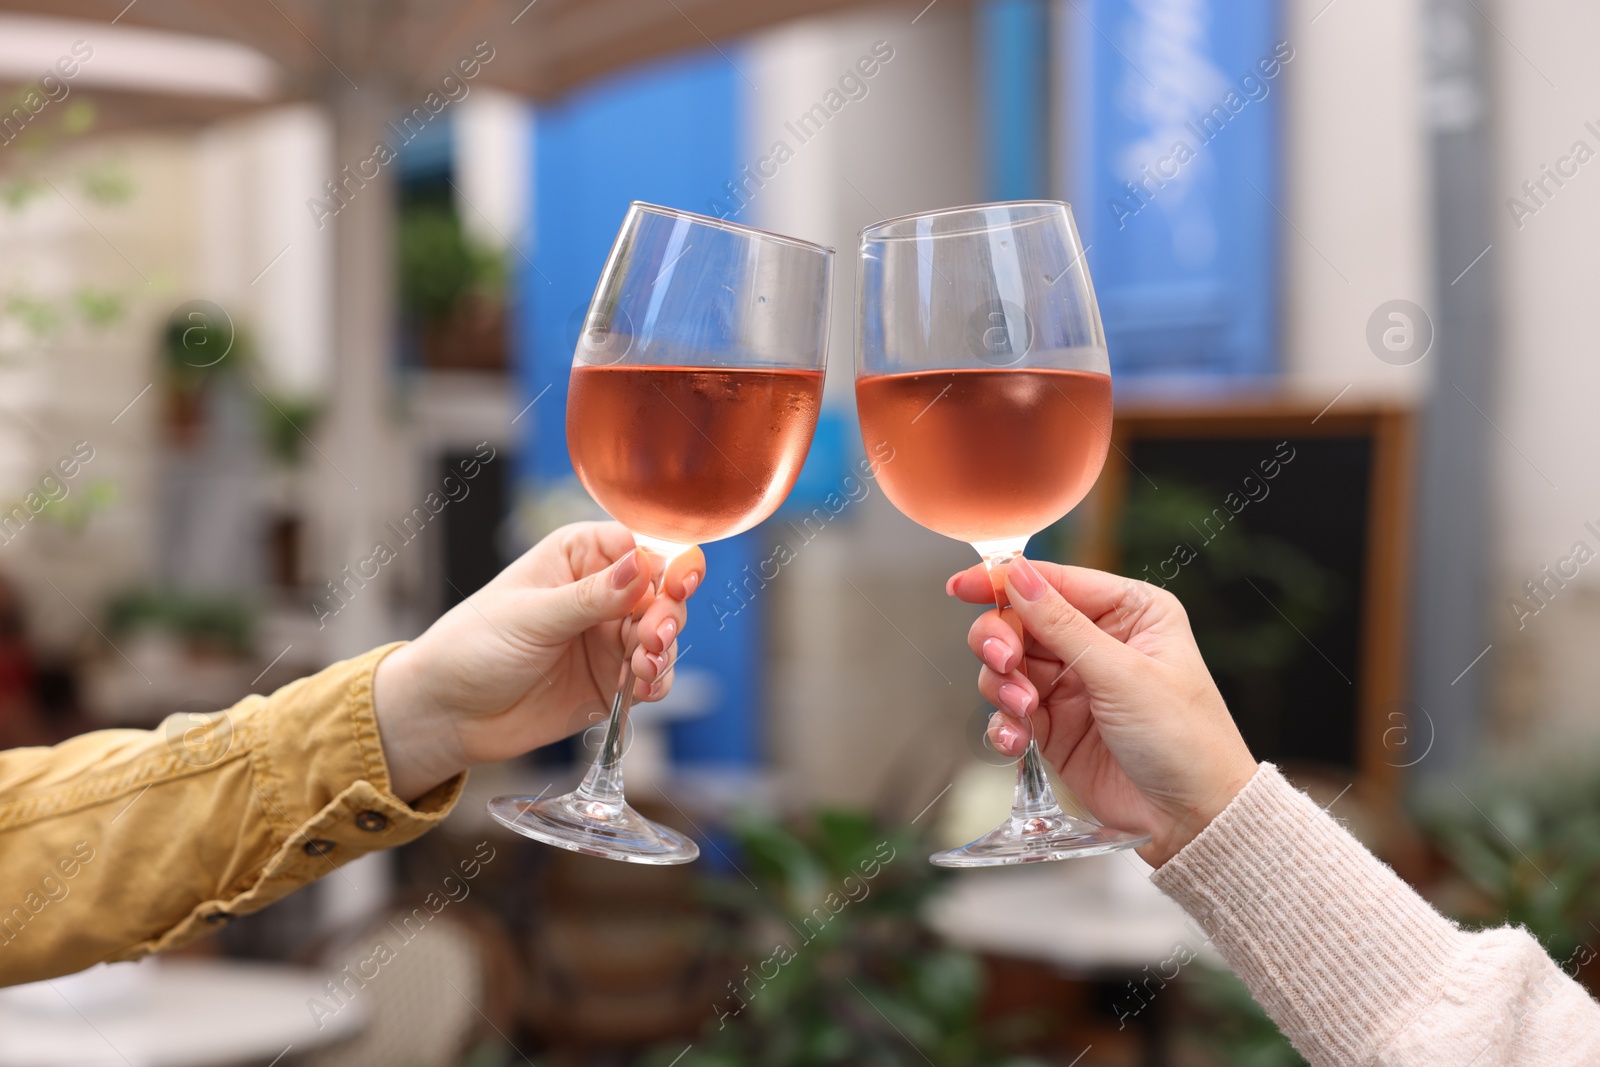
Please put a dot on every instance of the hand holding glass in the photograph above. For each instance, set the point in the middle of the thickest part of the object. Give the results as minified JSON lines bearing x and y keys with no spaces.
{"x":981,"y":361}
{"x":694,"y":394}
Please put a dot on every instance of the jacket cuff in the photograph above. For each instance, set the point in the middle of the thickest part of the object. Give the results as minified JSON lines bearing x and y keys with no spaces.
{"x":1336,"y":948}
{"x":321,"y":783}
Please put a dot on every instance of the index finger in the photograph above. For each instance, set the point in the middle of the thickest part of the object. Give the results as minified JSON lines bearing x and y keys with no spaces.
{"x":684,"y":574}
{"x":1094,"y":593}
{"x":673,"y":583}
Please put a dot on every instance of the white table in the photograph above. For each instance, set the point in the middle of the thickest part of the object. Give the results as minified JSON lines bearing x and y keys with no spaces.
{"x":169,"y":1013}
{"x":1098,"y":918}
{"x":1083,"y":916}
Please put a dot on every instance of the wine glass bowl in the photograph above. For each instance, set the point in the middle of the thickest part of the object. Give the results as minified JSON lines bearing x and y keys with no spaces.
{"x":697,"y":378}
{"x":981,"y":361}
{"x":990,"y":454}
{"x":645,"y":444}
{"x":695,"y":389}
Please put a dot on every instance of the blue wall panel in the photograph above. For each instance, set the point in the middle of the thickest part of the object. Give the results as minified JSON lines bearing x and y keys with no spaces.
{"x":1014,"y":76}
{"x":1174,"y":113}
{"x":669,"y":134}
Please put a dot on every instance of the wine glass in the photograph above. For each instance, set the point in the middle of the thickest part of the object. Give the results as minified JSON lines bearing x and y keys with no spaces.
{"x":695,"y":389}
{"x":981,"y":362}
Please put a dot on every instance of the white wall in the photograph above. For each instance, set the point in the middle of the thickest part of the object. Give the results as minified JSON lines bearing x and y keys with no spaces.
{"x":907,"y":145}
{"x":1355,"y":191}
{"x":89,"y":384}
{"x":1546,"y":477}
{"x":493,"y":134}
{"x":261,"y":255}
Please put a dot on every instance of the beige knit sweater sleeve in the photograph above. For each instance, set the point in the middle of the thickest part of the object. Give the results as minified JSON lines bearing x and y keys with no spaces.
{"x":1352,"y":964}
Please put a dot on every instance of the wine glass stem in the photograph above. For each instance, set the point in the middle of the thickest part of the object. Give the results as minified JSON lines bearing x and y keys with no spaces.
{"x":603,"y":783}
{"x":1033,"y":798}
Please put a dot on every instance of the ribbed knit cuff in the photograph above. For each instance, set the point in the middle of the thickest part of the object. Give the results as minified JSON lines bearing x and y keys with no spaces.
{"x":1337,"y":949}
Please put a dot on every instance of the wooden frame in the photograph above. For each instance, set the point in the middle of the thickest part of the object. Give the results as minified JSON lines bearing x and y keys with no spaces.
{"x":1382,"y":684}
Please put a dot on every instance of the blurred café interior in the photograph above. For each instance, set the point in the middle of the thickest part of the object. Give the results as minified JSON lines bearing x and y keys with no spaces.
{"x":255,"y":257}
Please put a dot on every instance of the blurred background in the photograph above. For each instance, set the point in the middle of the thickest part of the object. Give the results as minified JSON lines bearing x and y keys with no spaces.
{"x":269,"y":277}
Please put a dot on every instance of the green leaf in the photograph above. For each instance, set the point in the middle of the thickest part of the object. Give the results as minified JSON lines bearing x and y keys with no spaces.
{"x":845,"y":838}
{"x":107,"y":182}
{"x":78,"y":117}
{"x":439,"y":264}
{"x":41,"y":318}
{"x":287,"y":423}
{"x":948,"y":981}
{"x":19,"y":192}
{"x":99,"y":308}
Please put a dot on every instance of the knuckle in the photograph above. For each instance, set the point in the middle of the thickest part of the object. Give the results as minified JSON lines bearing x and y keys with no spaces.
{"x":583,"y":597}
{"x":1061,"y":616}
{"x":1140,"y":595}
{"x":589,"y":594}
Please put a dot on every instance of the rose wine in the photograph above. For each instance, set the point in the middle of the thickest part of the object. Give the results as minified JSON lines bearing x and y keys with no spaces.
{"x":987,"y":454}
{"x":690,"y":454}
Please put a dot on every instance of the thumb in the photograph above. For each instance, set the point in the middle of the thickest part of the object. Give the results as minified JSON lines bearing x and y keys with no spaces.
{"x":1097,"y":657}
{"x":609,"y":594}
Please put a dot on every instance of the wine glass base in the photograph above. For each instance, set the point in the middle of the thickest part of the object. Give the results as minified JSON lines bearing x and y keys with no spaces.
{"x":1038,"y":840}
{"x":609,"y":831}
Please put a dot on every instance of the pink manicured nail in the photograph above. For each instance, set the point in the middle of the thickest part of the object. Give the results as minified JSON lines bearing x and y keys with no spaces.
{"x":1025,"y":580}
{"x":950,"y":586}
{"x":667,"y":631}
{"x":997,"y":655}
{"x":1007,"y":738}
{"x":1014,"y":698}
{"x":691,"y":582}
{"x":626,"y":571}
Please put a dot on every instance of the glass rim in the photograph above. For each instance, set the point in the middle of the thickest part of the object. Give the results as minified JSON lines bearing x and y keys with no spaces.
{"x":724,"y":224}
{"x":873,"y":231}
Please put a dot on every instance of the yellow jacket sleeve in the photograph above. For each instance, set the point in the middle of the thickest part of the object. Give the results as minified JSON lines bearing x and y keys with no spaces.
{"x":120,"y":843}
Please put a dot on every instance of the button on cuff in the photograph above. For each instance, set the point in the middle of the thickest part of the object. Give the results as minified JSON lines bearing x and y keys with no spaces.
{"x":372,"y":821}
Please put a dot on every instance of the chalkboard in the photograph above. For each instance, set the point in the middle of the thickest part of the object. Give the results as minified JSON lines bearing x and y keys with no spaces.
{"x":1283,"y":529}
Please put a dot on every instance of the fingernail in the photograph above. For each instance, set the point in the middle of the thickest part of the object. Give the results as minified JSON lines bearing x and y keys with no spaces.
{"x":950,"y":585}
{"x":1014,"y":698}
{"x":691,"y":582}
{"x":996,"y":655}
{"x":626,"y":571}
{"x":666,"y":631}
{"x":1007,"y":737}
{"x":1025,"y":580}
{"x":658,"y":665}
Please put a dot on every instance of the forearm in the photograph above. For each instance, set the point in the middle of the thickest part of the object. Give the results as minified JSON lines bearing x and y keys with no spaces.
{"x":1351,"y":963}
{"x":125,"y":842}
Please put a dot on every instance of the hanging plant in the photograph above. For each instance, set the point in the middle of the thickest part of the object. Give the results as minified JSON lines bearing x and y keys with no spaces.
{"x":200,"y":345}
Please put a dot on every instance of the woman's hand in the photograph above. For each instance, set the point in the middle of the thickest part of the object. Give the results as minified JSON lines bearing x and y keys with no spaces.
{"x":533,"y":656}
{"x":1115,"y":688}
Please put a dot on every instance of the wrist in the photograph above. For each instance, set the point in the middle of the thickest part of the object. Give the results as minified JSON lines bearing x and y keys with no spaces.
{"x":1189,"y":822}
{"x":1228,"y":787}
{"x":420,"y":746}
